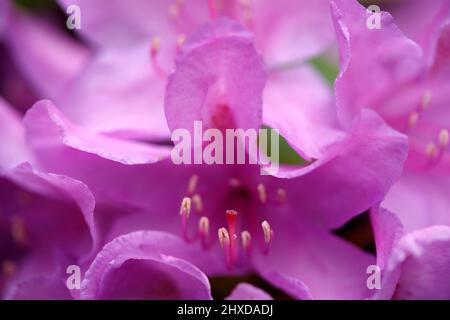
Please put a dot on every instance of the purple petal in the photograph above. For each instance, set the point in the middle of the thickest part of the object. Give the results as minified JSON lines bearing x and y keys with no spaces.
{"x":137,"y":23}
{"x":144,"y":265}
{"x":118,"y":92}
{"x":374,"y":152}
{"x":291,"y":30}
{"x":420,"y":199}
{"x":373,"y":61}
{"x":49,"y":59}
{"x":219,"y":80}
{"x":12,"y":138}
{"x":421,"y":261}
{"x":298,"y":103}
{"x":307,"y":261}
{"x":47,"y":126}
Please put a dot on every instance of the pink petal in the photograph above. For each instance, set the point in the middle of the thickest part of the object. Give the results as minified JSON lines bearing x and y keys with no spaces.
{"x":12,"y":138}
{"x":298,"y":103}
{"x":373,"y":62}
{"x":119,"y":92}
{"x":144,"y":265}
{"x":219,"y":79}
{"x":421,"y":260}
{"x":420,"y":199}
{"x":355,"y":175}
{"x":291,"y":30}
{"x":47,"y":126}
{"x":49,"y":59}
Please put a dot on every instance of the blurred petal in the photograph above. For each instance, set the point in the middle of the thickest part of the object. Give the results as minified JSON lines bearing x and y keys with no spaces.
{"x":12,"y":138}
{"x":420,"y":199}
{"x":49,"y":59}
{"x":137,"y":23}
{"x":118,"y":92}
{"x":291,"y":30}
{"x":245,"y":291}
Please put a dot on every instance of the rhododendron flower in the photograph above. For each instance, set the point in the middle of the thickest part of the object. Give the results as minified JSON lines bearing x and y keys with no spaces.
{"x":231,"y":201}
{"x":88,"y":184}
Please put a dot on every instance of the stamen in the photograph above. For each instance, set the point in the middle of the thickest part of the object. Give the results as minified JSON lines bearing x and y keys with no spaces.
{"x":156,"y":46}
{"x":443,"y":138}
{"x":262,"y":193}
{"x":198,"y":203}
{"x":192,"y":185}
{"x":18,"y":231}
{"x":8,"y":268}
{"x":413,"y":119}
{"x":225,"y":243}
{"x":247,"y":12}
{"x":174,"y":10}
{"x":426,"y":99}
{"x":224,"y":238}
{"x":246,"y":241}
{"x":281,"y":195}
{"x":431,"y":151}
{"x":154,"y":51}
{"x":185,"y":211}
{"x":268,"y":235}
{"x":203,"y":228}
{"x":180,"y":41}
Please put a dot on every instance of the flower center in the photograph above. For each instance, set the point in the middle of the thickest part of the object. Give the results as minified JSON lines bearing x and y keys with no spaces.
{"x":235,"y":236}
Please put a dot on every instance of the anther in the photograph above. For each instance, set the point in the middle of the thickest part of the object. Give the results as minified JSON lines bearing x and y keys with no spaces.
{"x":192,"y":185}
{"x":154,"y":51}
{"x":426,"y":99}
{"x":203,"y":229}
{"x":18,"y":231}
{"x":246,"y":239}
{"x":281,"y":195}
{"x":180,"y":41}
{"x":262,"y":193}
{"x":185,"y":211}
{"x":156,"y":45}
{"x":174,"y":10}
{"x":198,"y":203}
{"x":224,"y":238}
{"x":431,"y":151}
{"x":268,"y":235}
{"x":413,"y":119}
{"x":443,"y":138}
